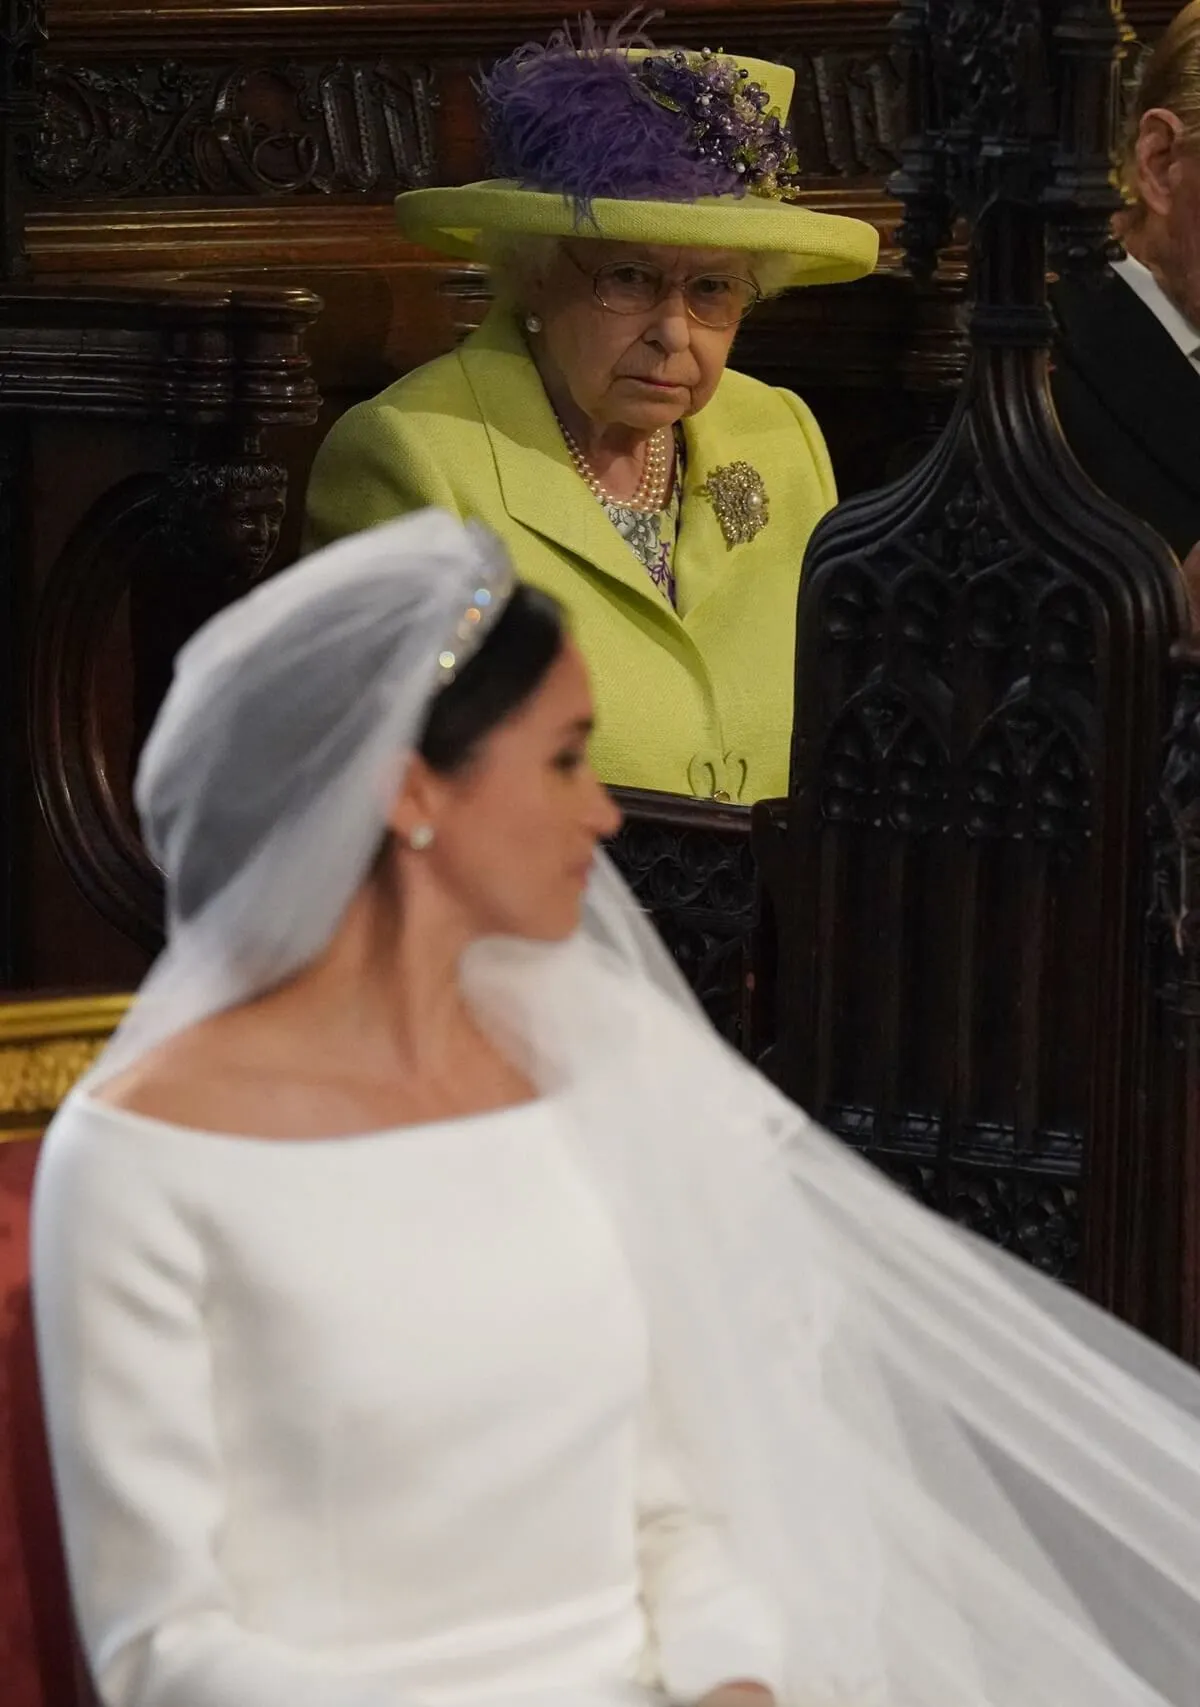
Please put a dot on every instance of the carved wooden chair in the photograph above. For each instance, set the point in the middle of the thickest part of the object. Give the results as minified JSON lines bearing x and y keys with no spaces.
{"x":44,"y":1047}
{"x":983,"y":881}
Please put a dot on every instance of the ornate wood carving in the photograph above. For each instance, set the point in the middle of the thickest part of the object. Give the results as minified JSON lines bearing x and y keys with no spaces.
{"x":1175,"y":915}
{"x":959,"y":878}
{"x":985,"y":110}
{"x":848,"y":115}
{"x":200,"y":355}
{"x":689,"y":864}
{"x":950,"y":801}
{"x":253,"y":128}
{"x":22,"y":32}
{"x":1170,"y":1178}
{"x":237,"y":107}
{"x":215,"y":532}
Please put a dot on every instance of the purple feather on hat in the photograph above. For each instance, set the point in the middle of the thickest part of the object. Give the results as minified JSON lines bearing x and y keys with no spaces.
{"x":573,"y":117}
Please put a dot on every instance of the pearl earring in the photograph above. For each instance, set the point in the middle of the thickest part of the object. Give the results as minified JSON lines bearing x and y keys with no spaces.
{"x":421,"y":837}
{"x":533,"y":323}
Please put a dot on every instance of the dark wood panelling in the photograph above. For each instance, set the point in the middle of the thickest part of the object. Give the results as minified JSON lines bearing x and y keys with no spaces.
{"x":142,"y":494}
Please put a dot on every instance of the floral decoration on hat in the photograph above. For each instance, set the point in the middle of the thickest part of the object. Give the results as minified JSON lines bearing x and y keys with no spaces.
{"x":733,"y":125}
{"x":601,"y":115}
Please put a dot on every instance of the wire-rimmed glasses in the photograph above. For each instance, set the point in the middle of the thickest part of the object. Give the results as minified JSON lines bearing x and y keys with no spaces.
{"x":719,"y":300}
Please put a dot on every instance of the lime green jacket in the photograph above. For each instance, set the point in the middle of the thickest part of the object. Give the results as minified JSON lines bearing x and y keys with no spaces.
{"x":696,"y":701}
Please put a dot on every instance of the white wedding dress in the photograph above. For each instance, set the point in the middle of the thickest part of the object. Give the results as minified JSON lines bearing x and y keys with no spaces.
{"x":361,"y":1422}
{"x":395,"y":1420}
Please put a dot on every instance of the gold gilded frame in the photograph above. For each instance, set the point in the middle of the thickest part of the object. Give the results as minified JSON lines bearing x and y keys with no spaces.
{"x":45,"y":1046}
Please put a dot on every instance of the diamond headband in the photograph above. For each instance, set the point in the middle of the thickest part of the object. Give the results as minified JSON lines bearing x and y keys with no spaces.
{"x":495,"y":585}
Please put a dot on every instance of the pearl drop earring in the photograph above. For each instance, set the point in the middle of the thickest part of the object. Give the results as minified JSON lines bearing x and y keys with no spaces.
{"x":420,"y":838}
{"x":533,"y":323}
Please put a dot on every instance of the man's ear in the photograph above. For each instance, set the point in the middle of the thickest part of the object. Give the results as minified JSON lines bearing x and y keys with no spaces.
{"x":1159,"y":137}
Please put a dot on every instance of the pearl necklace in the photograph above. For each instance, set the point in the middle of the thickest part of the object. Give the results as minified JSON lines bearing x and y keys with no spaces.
{"x":648,"y":499}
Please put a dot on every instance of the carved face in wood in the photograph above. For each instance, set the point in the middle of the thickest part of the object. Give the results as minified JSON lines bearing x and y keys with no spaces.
{"x":250,"y":522}
{"x":234,"y":512}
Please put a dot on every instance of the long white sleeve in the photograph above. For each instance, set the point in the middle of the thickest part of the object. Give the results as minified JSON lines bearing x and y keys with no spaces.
{"x":709,"y":1625}
{"x":119,"y":1295}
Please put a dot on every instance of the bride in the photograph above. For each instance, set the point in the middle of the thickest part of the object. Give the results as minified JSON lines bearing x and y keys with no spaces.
{"x":432,"y":1311}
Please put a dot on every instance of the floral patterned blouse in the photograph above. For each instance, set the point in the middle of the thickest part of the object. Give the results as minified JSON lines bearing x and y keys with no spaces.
{"x":651,"y":536}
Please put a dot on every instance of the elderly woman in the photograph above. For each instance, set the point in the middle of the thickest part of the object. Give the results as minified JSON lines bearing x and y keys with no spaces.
{"x":663,"y":501}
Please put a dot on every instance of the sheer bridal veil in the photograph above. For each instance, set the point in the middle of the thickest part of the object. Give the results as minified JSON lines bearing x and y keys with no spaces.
{"x":962,"y":1486}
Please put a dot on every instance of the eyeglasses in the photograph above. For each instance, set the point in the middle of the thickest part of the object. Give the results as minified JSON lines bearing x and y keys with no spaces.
{"x":719,"y":300}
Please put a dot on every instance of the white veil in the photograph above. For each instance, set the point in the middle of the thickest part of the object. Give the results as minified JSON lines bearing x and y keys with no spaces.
{"x":962,"y":1485}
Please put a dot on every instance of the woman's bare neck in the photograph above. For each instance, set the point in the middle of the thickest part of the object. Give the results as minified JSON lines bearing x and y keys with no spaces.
{"x":373,"y":1036}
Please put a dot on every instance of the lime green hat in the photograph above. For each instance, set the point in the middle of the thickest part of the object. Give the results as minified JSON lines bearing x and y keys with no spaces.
{"x":618,"y":141}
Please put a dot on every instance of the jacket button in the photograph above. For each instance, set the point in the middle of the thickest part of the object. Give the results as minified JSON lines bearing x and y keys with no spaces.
{"x":720,"y":796}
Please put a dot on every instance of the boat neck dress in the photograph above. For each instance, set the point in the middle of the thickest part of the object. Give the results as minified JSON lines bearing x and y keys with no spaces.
{"x":366,"y":1421}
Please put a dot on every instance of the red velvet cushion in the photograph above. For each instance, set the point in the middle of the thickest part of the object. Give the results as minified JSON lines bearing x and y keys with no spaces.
{"x":37,"y":1649}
